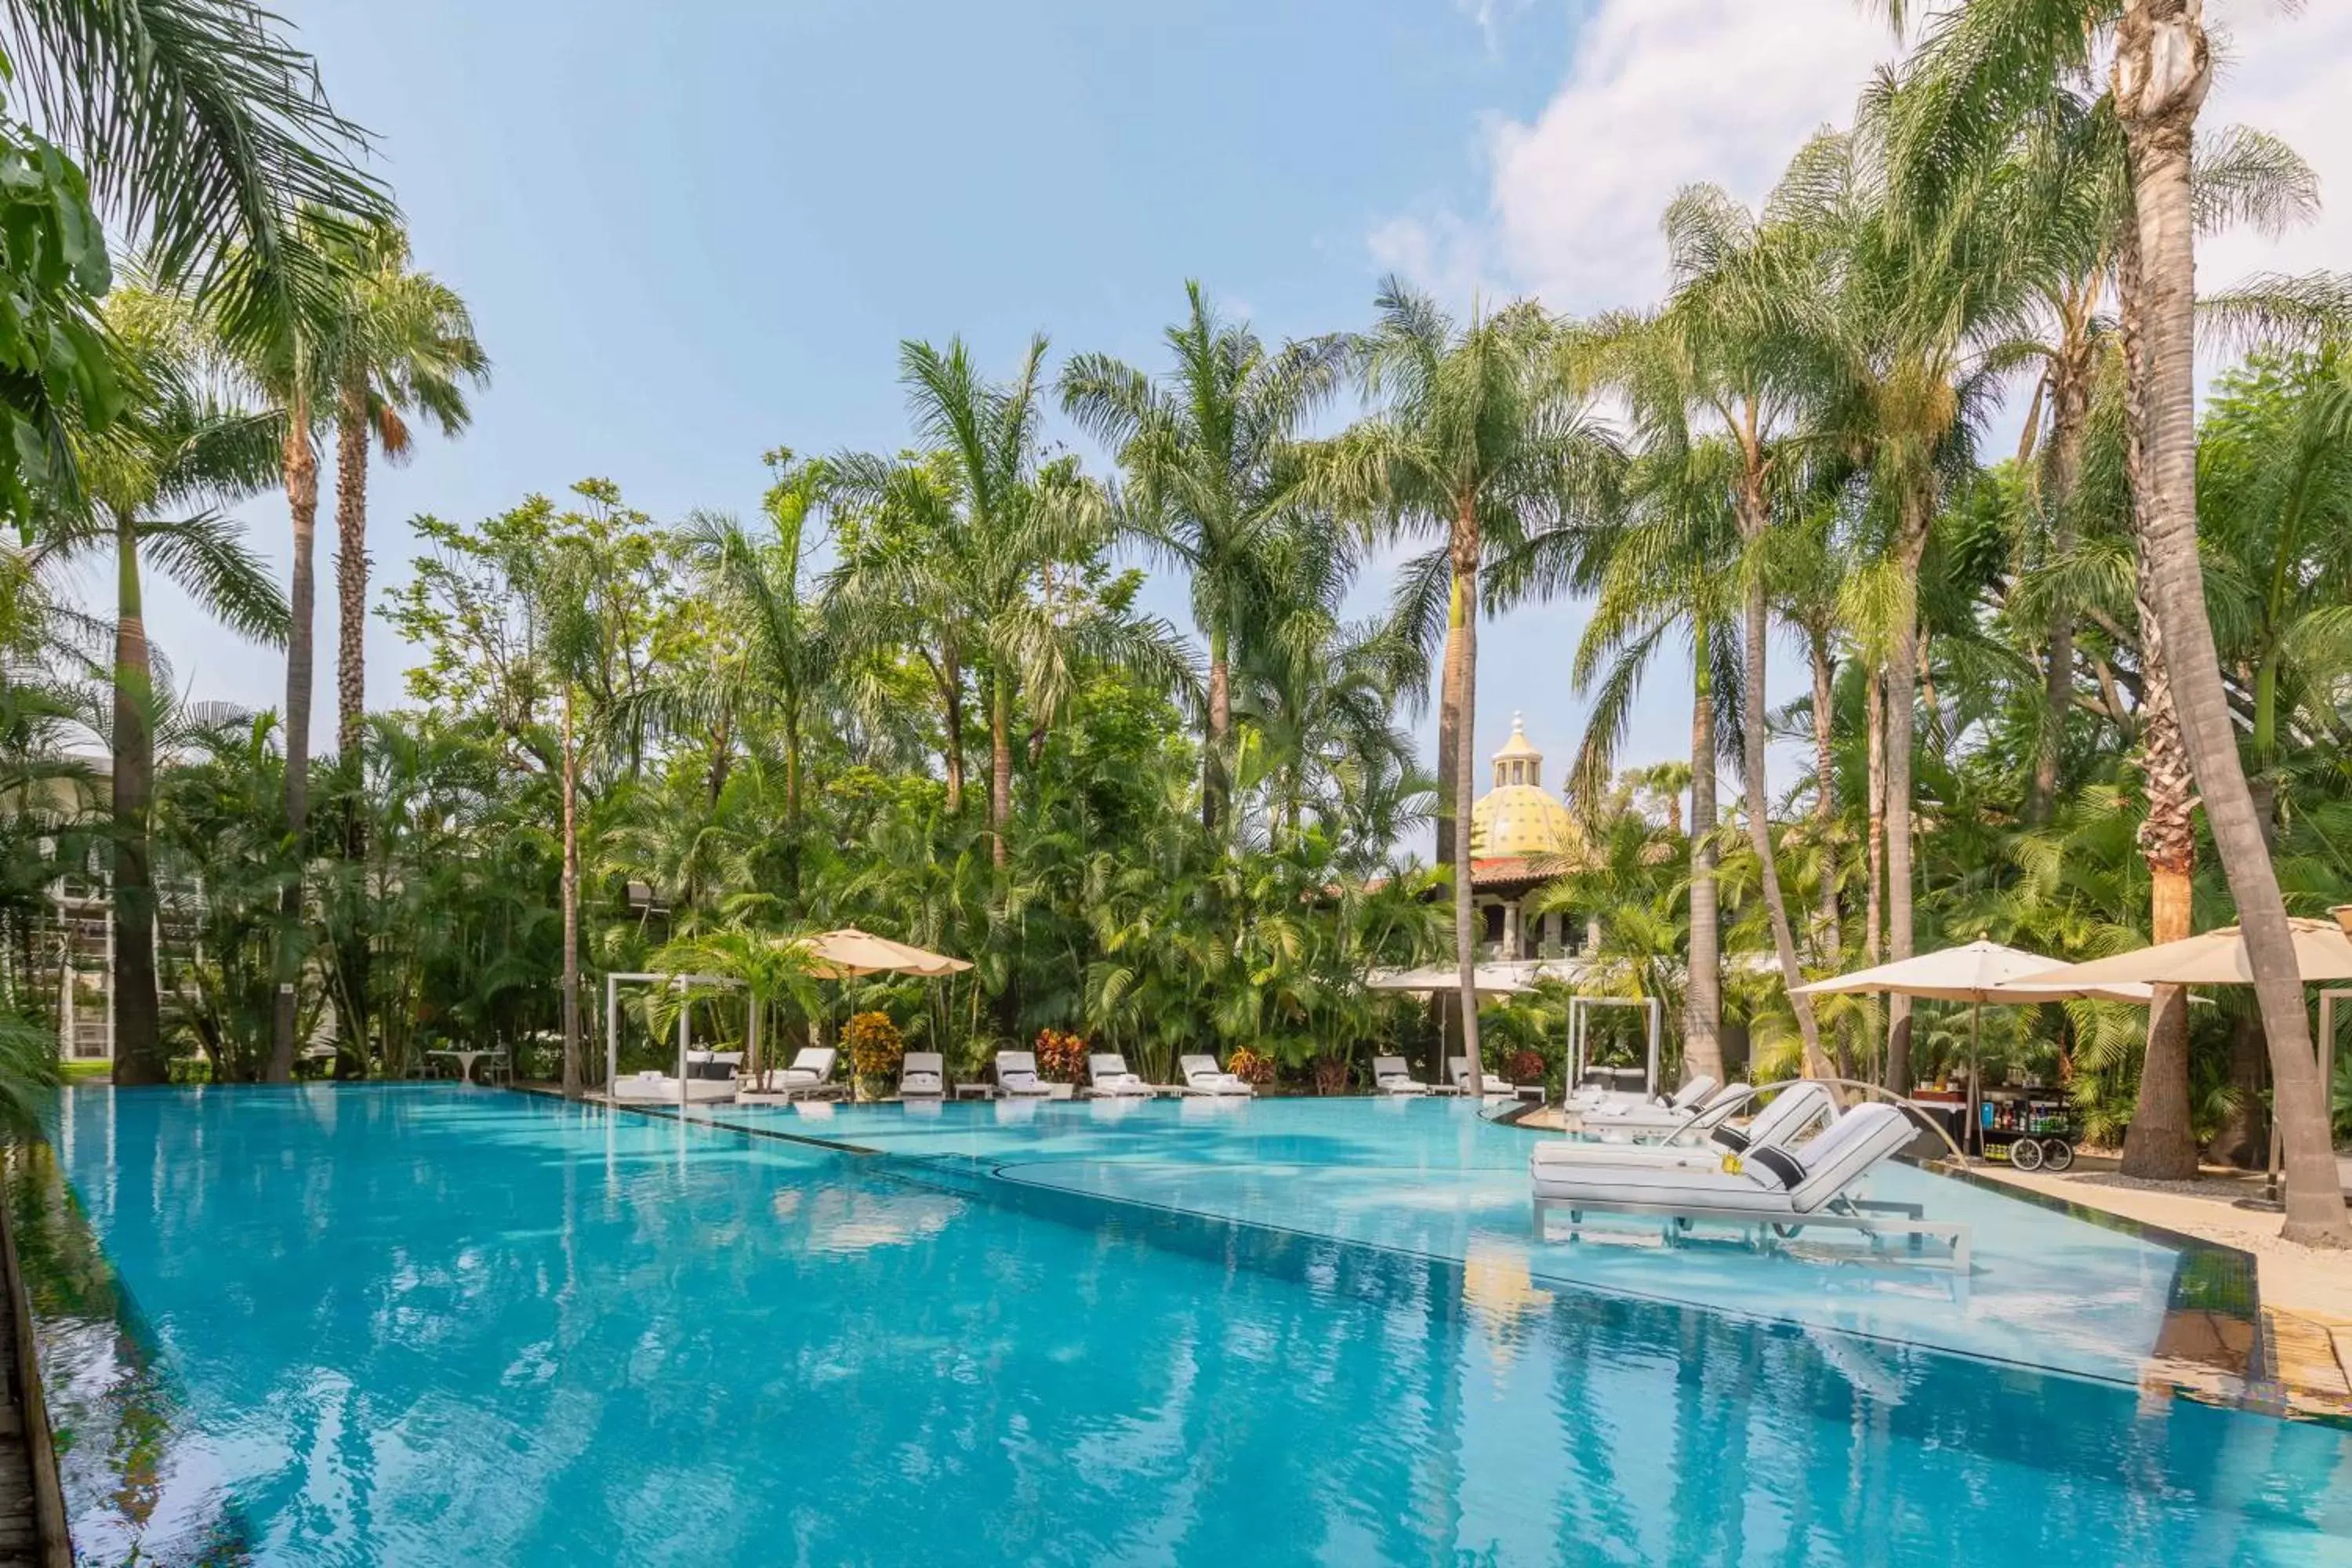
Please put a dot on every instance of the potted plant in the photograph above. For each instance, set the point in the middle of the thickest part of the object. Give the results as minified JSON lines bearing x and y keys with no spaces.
{"x":1253,"y":1068}
{"x":1061,"y":1061}
{"x":876,"y":1049}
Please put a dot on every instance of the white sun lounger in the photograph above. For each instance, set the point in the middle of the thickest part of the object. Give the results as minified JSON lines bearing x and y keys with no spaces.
{"x":1590,"y":1096}
{"x":1795,"y":1110}
{"x":1458,"y":1069}
{"x":810,"y":1077}
{"x":1016,"y":1075}
{"x":1390,"y":1075}
{"x":1202,"y":1076}
{"x":1775,"y":1192}
{"x":922,"y":1075}
{"x":1108,"y":1078}
{"x":655,"y":1087}
{"x":1678,"y":1111}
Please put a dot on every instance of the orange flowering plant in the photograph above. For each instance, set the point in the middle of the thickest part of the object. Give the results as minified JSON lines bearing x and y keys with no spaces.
{"x":1253,"y":1068}
{"x":1061,"y":1057}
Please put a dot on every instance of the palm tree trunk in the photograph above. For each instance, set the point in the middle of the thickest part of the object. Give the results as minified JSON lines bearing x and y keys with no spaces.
{"x":1873,"y":907}
{"x":1464,"y":647}
{"x":1703,"y":994}
{"x":1000,"y":766}
{"x":2160,"y":1144}
{"x":1825,"y":804}
{"x":351,"y":693}
{"x":301,"y":466}
{"x":572,"y":1084}
{"x":951,"y":694}
{"x":2070,"y":405}
{"x":2162,"y":69}
{"x":1902,"y":708}
{"x":137,"y":1019}
{"x":1454,"y":783}
{"x":1220,"y":723}
{"x":350,"y":572}
{"x":1759,"y":825}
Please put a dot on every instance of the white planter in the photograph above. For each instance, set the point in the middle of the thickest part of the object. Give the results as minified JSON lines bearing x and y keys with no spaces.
{"x":1060,"y":1090}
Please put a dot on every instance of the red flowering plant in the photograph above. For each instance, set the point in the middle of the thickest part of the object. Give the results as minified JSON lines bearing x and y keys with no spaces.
{"x":1253,"y":1068}
{"x":1061,"y":1057}
{"x":1524,"y":1067}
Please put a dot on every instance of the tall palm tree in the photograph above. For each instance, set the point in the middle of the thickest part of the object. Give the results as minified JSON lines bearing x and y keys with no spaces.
{"x":1918,"y":330}
{"x":792,"y":648}
{"x":1670,"y":570}
{"x":1728,"y":351}
{"x":1017,"y":522}
{"x":2162,"y":68}
{"x":404,"y":345}
{"x":154,"y":481}
{"x":1475,"y":438}
{"x":1212,"y":479}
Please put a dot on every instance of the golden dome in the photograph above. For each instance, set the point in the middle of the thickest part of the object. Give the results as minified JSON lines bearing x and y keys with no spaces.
{"x":1517,"y":817}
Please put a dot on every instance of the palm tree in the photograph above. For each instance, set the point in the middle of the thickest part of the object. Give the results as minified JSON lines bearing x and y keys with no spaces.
{"x":1917,"y":331}
{"x":1017,"y":522}
{"x":205,"y":133}
{"x":153,"y":480}
{"x":404,"y":345}
{"x":2162,"y":68}
{"x":1477,"y":439}
{"x":1668,"y":570}
{"x":1726,"y":350}
{"x":792,"y":650}
{"x":1210,"y":478}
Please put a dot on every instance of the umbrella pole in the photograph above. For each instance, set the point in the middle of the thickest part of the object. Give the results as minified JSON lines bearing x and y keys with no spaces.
{"x":1976,"y":1088}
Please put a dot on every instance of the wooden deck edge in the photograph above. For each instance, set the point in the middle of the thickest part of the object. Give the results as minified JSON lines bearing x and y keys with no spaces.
{"x":55,"y":1537}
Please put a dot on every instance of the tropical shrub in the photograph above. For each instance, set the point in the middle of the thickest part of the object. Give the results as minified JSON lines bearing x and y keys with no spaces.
{"x":1253,"y":1068}
{"x":1061,"y":1056}
{"x":875,"y":1047}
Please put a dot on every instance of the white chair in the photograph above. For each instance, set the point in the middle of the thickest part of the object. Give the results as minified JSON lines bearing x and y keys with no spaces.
{"x":1772,"y":1193}
{"x":1016,"y":1075}
{"x":655,"y":1087}
{"x":1202,"y":1076}
{"x":1792,"y":1113}
{"x":810,"y":1076}
{"x":1493,"y":1088}
{"x":1676,"y":1111}
{"x":1590,"y":1095}
{"x":1108,"y":1078}
{"x":922,"y":1075}
{"x":1390,"y":1075}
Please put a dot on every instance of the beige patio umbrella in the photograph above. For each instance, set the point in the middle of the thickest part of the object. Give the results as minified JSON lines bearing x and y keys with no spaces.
{"x":2323,"y":952}
{"x":1978,"y":973}
{"x":841,"y":954}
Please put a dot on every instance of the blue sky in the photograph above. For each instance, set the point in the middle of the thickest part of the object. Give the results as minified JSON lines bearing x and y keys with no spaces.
{"x":695,"y":232}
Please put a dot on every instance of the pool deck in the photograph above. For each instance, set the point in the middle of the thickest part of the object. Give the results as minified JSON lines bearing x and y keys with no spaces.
{"x":2306,"y":1293}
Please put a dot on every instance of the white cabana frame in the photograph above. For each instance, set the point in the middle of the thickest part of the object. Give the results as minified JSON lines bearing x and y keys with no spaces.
{"x":1578,"y":1026}
{"x":679,"y":982}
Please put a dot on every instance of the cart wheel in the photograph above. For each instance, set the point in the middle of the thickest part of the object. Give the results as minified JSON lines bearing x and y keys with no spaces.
{"x":2057,"y":1154}
{"x":2025,"y":1154}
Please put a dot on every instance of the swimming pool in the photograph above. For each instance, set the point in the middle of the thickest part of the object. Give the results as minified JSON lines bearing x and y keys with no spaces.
{"x":441,"y":1325}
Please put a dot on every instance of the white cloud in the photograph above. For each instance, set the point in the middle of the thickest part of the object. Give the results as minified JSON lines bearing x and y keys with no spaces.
{"x":1658,"y":94}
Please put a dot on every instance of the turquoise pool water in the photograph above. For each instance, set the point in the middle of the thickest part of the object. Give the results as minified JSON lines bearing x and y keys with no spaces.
{"x":440,"y":1325}
{"x":1433,"y":1177}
